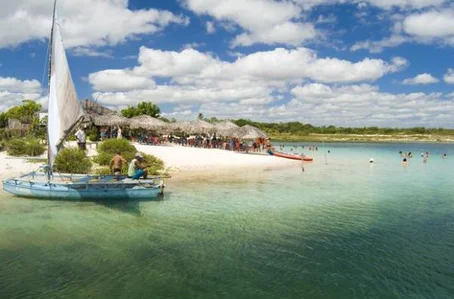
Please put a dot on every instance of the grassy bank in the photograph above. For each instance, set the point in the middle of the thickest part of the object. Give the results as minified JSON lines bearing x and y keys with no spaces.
{"x":361,"y":138}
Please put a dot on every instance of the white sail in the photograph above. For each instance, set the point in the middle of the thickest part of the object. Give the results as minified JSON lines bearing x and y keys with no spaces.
{"x":64,"y":108}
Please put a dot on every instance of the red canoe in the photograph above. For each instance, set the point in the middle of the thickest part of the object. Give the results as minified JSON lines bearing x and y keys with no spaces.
{"x":290,"y":156}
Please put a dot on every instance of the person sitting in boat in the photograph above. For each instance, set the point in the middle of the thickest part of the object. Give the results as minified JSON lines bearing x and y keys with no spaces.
{"x":137,"y":168}
{"x":116,"y":164}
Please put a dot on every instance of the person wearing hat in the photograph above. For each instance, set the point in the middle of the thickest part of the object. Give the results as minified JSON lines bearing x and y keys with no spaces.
{"x":137,"y":168}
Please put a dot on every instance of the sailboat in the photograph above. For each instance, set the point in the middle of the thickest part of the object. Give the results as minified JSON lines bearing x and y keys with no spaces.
{"x":64,"y":114}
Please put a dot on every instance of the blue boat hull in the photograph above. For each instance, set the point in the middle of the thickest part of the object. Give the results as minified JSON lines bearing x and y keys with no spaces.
{"x":82,"y":191}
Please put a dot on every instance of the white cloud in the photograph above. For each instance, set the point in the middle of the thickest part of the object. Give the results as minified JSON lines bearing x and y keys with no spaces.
{"x":118,"y":80}
{"x":378,"y":46}
{"x":406,"y":4}
{"x":278,"y":65}
{"x":431,"y":24}
{"x":13,"y":91}
{"x":428,"y":27}
{"x":383,"y":4}
{"x":264,"y":21}
{"x":81,"y":51}
{"x":361,"y":105}
{"x":211,"y":28}
{"x":84,"y":22}
{"x":252,"y":81}
{"x":424,"y":78}
{"x":350,"y":106}
{"x":449,"y":76}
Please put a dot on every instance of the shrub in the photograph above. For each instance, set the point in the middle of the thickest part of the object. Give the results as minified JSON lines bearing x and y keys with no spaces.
{"x":72,"y":160}
{"x":107,"y":149}
{"x":155,"y":165}
{"x":93,"y":134}
{"x":25,"y":147}
{"x":103,"y":170}
{"x":103,"y":159}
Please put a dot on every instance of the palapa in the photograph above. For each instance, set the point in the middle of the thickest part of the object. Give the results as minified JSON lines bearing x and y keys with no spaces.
{"x":110,"y":120}
{"x":193,"y":127}
{"x":250,"y":132}
{"x":148,"y":123}
{"x":226,"y":128}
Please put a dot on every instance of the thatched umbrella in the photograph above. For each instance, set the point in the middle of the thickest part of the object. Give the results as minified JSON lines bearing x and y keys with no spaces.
{"x":226,"y":128}
{"x":193,"y":127}
{"x":148,"y":123}
{"x":250,"y":132}
{"x":94,"y":108}
{"x":110,"y":120}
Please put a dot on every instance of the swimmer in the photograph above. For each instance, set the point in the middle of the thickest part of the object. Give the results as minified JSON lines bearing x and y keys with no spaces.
{"x":404,"y":162}
{"x":371,"y":160}
{"x":444,"y":156}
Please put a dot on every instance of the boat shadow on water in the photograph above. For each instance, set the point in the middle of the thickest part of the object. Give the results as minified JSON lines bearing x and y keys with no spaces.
{"x":129,"y":206}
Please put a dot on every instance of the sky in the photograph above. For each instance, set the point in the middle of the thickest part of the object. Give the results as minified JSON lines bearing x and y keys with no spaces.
{"x":352,"y":63}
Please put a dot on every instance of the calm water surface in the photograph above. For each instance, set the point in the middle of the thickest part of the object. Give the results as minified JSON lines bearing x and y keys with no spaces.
{"x":344,"y":228}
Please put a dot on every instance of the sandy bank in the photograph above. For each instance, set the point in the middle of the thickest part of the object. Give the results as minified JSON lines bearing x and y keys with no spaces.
{"x":179,"y":161}
{"x":187,"y":160}
{"x":12,"y":167}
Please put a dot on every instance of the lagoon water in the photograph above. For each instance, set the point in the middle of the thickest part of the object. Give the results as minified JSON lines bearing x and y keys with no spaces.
{"x":343,"y":228}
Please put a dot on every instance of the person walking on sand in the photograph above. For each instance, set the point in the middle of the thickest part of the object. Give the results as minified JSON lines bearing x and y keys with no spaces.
{"x":116,"y":164}
{"x":137,"y":168}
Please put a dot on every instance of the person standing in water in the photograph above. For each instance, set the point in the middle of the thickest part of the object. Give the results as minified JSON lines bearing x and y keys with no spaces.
{"x":404,"y":162}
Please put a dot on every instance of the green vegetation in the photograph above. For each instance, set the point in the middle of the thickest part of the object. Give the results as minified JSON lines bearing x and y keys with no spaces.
{"x":93,"y":134}
{"x":103,"y":170}
{"x":26,"y":113}
{"x":155,"y":165}
{"x":297,"y":131}
{"x":72,"y":160}
{"x":143,"y":108}
{"x":24,"y":147}
{"x":108,"y":148}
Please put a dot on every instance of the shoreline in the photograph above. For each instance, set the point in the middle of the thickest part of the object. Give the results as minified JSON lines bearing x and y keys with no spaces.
{"x":359,"y":138}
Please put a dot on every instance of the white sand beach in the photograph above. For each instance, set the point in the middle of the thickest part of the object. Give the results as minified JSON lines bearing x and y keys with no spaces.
{"x":12,"y":166}
{"x":178,"y":160}
{"x":188,"y":159}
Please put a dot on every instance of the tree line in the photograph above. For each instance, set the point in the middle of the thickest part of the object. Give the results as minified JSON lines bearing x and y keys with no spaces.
{"x":301,"y":129}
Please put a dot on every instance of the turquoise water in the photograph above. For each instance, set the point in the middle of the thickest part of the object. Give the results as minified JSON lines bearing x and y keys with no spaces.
{"x":343,"y":228}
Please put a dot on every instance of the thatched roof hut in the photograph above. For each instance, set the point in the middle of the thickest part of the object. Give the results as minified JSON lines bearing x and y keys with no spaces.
{"x":110,"y":120}
{"x":148,"y":123}
{"x":226,"y":128}
{"x":250,"y":132}
{"x":94,"y":108}
{"x":193,"y":127}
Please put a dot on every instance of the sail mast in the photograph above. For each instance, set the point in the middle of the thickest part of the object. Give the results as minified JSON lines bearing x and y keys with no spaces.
{"x":51,"y":40}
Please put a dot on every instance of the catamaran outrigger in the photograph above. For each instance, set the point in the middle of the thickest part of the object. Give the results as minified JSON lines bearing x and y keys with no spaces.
{"x":65,"y":113}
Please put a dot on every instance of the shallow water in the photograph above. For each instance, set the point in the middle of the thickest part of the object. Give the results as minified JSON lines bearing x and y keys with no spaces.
{"x":343,"y":228}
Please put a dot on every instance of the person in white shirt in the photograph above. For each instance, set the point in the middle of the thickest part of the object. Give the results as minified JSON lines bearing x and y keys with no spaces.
{"x":81,"y":142}
{"x":119,"y":134}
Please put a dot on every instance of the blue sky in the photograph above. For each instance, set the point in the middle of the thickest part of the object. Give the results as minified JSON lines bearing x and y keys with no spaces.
{"x":340,"y":62}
